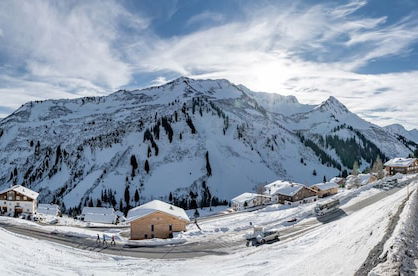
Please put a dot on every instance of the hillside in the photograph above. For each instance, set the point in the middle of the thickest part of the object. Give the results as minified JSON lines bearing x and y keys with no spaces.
{"x":193,"y":142}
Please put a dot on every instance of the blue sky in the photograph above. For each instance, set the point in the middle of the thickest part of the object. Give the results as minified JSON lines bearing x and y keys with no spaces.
{"x":364,"y":53}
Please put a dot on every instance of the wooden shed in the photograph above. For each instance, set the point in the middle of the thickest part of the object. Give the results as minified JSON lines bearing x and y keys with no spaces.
{"x":156,"y":219}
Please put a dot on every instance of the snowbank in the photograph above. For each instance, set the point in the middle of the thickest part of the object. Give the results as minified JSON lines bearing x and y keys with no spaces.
{"x":401,"y":249}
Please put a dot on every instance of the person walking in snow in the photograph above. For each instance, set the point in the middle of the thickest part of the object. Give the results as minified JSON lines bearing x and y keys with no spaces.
{"x":104,"y":240}
{"x":113,"y":241}
{"x":98,"y":238}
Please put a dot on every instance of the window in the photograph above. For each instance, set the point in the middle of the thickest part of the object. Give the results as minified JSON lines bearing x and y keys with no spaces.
{"x":25,"y":198}
{"x":10,"y":198}
{"x":146,"y":236}
{"x":152,"y":227}
{"x":17,"y":197}
{"x":170,"y":227}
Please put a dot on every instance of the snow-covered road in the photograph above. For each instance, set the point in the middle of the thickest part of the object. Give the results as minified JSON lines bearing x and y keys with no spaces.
{"x":335,"y":248}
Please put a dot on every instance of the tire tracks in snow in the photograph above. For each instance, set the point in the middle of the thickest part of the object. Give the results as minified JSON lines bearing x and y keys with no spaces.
{"x":374,"y":258}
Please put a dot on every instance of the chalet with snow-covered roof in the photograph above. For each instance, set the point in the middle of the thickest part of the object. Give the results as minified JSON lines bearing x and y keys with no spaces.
{"x":325,"y":189}
{"x":272,"y":187}
{"x":340,"y":181}
{"x":249,"y":200}
{"x":99,"y":215}
{"x":156,"y":219}
{"x":18,"y":200}
{"x":401,"y":165}
{"x":295,"y":194}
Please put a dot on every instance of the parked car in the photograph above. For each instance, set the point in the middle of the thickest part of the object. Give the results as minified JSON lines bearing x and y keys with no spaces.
{"x":262,"y":236}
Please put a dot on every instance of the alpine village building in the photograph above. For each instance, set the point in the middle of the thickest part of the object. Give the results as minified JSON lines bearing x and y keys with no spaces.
{"x":402,"y":165}
{"x":295,"y":194}
{"x":18,"y":200}
{"x":325,"y":189}
{"x":156,"y":219}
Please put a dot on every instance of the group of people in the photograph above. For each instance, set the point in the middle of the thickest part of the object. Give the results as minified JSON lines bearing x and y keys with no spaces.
{"x":112,"y":242}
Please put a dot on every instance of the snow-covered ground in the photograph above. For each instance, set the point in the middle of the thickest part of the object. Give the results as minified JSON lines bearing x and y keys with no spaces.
{"x":338,"y":247}
{"x":401,"y":249}
{"x":211,"y":222}
{"x":335,"y":248}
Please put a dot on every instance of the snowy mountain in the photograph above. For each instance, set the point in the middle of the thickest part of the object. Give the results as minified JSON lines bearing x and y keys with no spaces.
{"x":399,"y":130}
{"x":192,"y":142}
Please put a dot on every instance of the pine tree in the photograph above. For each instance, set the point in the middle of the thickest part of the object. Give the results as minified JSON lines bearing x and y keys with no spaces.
{"x":196,"y":213}
{"x":136,"y":196}
{"x":208,"y":167}
{"x":325,"y":179}
{"x":134,"y":165}
{"x":146,"y":166}
{"x":170,"y":197}
{"x":314,"y":172}
{"x":127,"y":196}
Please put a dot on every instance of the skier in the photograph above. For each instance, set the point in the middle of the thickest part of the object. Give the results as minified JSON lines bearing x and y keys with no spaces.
{"x":98,"y":239}
{"x":104,"y":240}
{"x":113,"y":241}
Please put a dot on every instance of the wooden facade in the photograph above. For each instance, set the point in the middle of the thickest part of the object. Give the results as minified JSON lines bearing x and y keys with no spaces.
{"x":394,"y":169}
{"x":325,"y":192}
{"x":156,"y":225}
{"x":300,"y":195}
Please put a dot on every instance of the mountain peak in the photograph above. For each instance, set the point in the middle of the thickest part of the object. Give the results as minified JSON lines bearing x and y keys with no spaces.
{"x":333,"y":104}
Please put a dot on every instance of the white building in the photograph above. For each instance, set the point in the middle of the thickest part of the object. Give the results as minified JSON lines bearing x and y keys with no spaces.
{"x":249,"y":200}
{"x":271,"y":188}
{"x":18,"y":200}
{"x":99,"y":215}
{"x":48,"y":209}
{"x":355,"y":181}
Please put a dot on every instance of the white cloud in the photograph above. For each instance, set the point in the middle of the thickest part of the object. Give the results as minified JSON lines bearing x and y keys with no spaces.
{"x":63,"y":40}
{"x":83,"y":49}
{"x":205,"y":17}
{"x":266,"y":52}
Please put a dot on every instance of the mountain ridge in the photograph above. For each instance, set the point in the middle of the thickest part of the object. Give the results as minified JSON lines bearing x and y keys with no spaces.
{"x":196,"y":140}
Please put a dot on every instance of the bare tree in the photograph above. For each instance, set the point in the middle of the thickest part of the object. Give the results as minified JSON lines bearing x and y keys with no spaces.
{"x":355,"y":169}
{"x":259,"y":189}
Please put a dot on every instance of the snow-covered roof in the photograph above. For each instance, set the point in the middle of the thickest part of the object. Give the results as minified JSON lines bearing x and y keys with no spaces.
{"x":99,"y":214}
{"x":100,"y":218}
{"x":361,"y":179}
{"x":22,"y":190}
{"x":246,"y":196}
{"x":325,"y":186}
{"x":156,"y":206}
{"x":48,"y":209}
{"x":400,"y":162}
{"x":98,"y":211}
{"x":336,"y":179}
{"x":278,"y":184}
{"x":289,"y":190}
